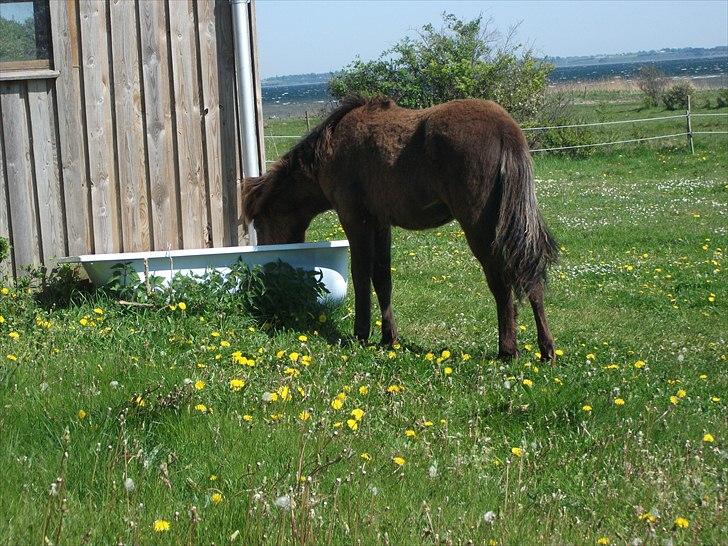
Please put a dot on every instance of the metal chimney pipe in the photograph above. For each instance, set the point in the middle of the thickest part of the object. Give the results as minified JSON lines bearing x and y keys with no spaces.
{"x":246,"y":93}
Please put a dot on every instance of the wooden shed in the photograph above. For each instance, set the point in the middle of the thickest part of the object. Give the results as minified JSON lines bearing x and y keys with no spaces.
{"x":120,"y":132}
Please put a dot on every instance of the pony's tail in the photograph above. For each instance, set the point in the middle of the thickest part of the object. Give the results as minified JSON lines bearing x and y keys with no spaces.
{"x":522,"y":239}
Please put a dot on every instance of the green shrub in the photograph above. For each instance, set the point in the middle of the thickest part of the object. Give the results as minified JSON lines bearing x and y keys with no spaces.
{"x":722,"y":100}
{"x":465,"y":59}
{"x":677,"y":96}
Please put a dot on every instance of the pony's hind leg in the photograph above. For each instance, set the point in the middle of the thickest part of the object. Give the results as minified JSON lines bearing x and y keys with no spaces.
{"x":382,"y":280}
{"x":502,"y":291}
{"x":545,"y":340}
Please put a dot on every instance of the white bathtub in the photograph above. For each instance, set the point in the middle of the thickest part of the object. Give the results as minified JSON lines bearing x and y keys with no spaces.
{"x":331,"y":258}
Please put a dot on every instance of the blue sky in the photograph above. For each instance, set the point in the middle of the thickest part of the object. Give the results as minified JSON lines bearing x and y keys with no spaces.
{"x":316,"y":36}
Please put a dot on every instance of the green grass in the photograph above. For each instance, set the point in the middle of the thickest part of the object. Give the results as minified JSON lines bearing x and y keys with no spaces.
{"x":643,"y":231}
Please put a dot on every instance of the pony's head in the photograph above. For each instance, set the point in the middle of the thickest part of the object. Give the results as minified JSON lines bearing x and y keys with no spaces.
{"x":281,"y":205}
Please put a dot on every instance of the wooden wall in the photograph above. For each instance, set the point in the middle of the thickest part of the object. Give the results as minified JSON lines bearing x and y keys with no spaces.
{"x":134,"y":146}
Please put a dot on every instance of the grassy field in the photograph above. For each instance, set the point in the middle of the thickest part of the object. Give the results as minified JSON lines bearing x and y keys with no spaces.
{"x":163,"y":425}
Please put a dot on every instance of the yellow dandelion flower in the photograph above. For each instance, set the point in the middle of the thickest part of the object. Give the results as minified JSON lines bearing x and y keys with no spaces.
{"x":236,"y":384}
{"x":139,"y":401}
{"x":640,"y":364}
{"x":674,"y":400}
{"x":98,"y":311}
{"x":4,"y":291}
{"x":199,"y":384}
{"x":366,"y":456}
{"x":213,"y":477}
{"x":447,"y":370}
{"x":715,"y":398}
{"x":304,"y":415}
{"x":428,"y":423}
{"x":215,"y":334}
{"x":559,"y":352}
{"x":586,"y":407}
{"x":466,"y":357}
{"x":429,"y":356}
{"x":591,"y":356}
{"x":394,"y":389}
{"x":353,"y":424}
{"x":285,"y":393}
{"x":517,"y":451}
{"x":522,"y":327}
{"x":410,"y":433}
{"x":182,"y":306}
{"x":247,"y":418}
{"x":445,"y":354}
{"x":337,"y":404}
{"x":305,"y":360}
{"x":528,"y":383}
{"x":11,"y":357}
{"x":603,"y":540}
{"x":364,"y":390}
{"x":293,"y":356}
{"x":161,"y":526}
{"x":681,"y":523}
{"x":399,"y":461}
{"x":357,"y":413}
{"x":216,"y":498}
{"x":302,"y":338}
{"x":711,"y":298}
{"x":13,"y":335}
{"x":202,"y":408}
{"x":619,"y":401}
{"x":82,"y":414}
{"x":681,"y":393}
{"x":708,"y":438}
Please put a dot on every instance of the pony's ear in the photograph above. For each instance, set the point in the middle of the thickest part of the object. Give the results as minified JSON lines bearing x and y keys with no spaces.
{"x":255,"y":193}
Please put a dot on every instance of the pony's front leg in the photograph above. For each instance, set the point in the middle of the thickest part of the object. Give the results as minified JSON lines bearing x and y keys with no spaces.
{"x":361,"y":242}
{"x":382,"y":279}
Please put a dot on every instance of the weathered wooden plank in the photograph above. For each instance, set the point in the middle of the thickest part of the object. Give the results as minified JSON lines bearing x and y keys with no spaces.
{"x":157,"y":104}
{"x":211,"y":118}
{"x":6,"y":266}
{"x":45,"y":162}
{"x":229,"y":156}
{"x":187,"y":114}
{"x":71,"y":136}
{"x":129,"y":130}
{"x":19,"y":170}
{"x":97,"y":99}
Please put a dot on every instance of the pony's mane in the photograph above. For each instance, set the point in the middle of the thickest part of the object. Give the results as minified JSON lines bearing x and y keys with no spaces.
{"x":314,"y":146}
{"x":303,"y":157}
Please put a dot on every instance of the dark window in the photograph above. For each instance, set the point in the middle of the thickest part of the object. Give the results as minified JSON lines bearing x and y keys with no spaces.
{"x":25,"y":34}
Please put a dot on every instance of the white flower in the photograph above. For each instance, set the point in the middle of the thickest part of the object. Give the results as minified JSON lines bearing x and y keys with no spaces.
{"x":129,"y":485}
{"x":374,"y":490}
{"x":432,"y":471}
{"x":283,"y":502}
{"x":489,"y":517}
{"x":267,"y":396}
{"x":114,"y":384}
{"x":54,"y":489}
{"x":188,"y":381}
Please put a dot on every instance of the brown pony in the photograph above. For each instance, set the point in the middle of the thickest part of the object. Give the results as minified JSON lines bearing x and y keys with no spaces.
{"x":378,"y":165}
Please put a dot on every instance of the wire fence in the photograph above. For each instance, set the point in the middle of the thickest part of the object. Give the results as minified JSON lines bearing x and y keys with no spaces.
{"x":687,"y":116}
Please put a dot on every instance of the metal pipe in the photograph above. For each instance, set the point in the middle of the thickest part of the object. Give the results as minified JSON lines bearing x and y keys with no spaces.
{"x":246,"y":93}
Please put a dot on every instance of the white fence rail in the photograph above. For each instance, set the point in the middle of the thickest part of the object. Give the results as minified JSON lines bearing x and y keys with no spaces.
{"x":687,"y":116}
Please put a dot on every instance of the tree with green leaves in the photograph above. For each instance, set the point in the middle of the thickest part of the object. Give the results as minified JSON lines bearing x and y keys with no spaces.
{"x":464,"y":59}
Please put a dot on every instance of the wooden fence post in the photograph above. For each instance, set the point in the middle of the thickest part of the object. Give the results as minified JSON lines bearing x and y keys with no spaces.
{"x":690,"y":128}
{"x":308,"y":123}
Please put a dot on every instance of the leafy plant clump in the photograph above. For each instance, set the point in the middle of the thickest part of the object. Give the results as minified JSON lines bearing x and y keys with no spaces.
{"x":275,"y":294}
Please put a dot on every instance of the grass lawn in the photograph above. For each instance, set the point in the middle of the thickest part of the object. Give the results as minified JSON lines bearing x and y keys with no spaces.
{"x":117,"y":420}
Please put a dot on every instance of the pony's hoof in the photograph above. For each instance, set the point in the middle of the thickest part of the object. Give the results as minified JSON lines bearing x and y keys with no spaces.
{"x":548,"y":355}
{"x":507,"y":355}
